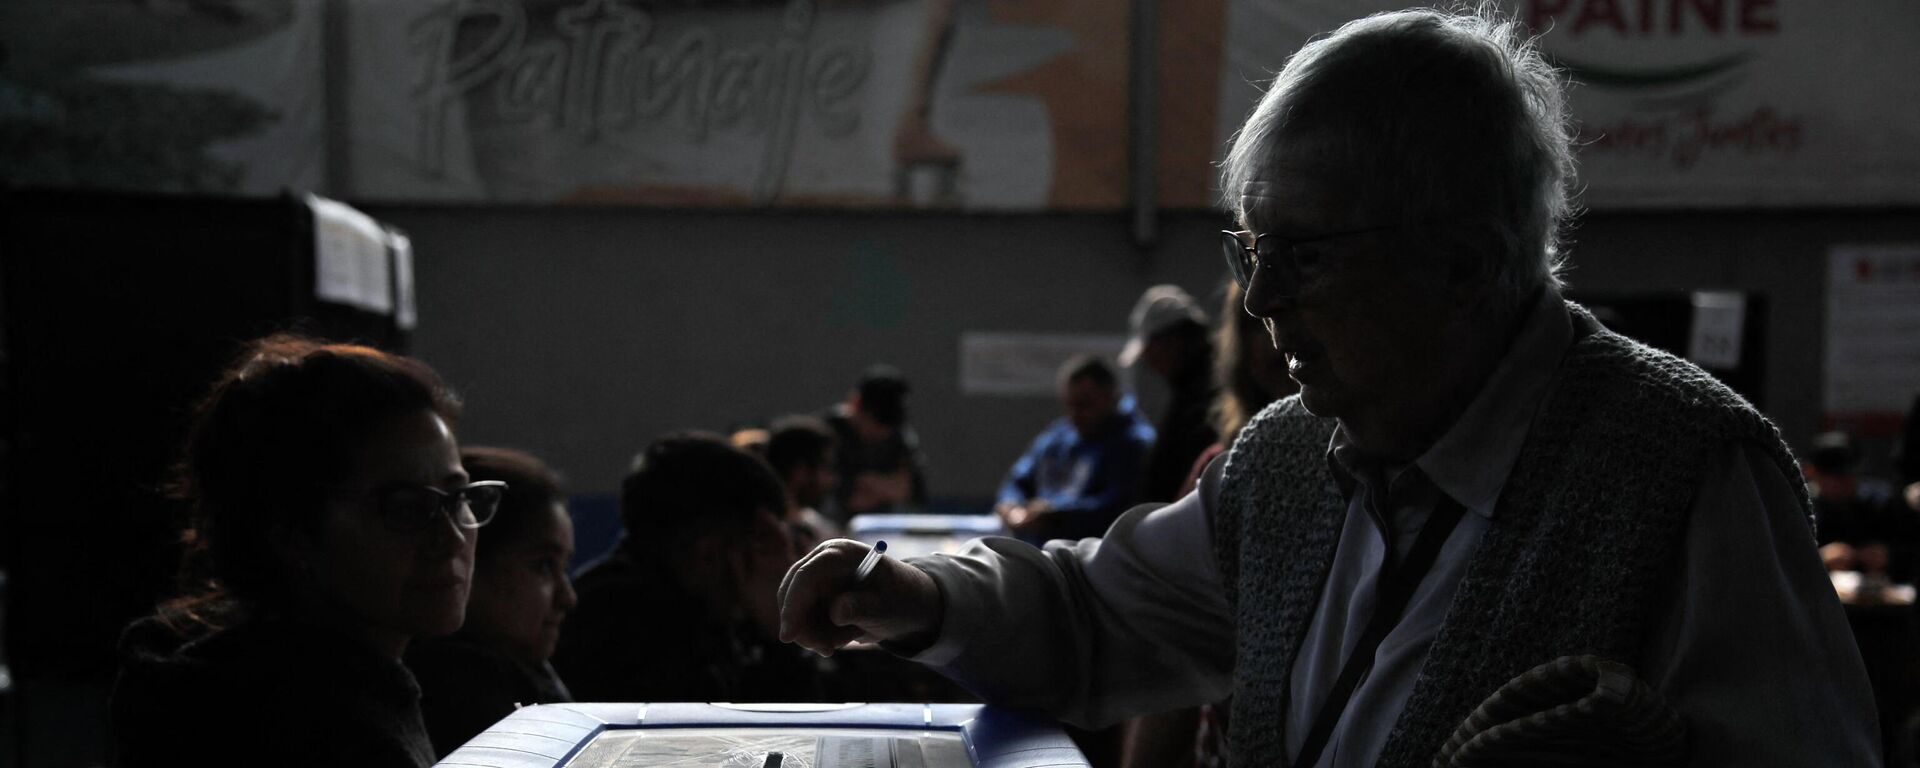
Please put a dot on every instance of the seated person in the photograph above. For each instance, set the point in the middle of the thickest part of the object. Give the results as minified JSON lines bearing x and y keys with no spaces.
{"x":1085,"y":468}
{"x":683,"y":608}
{"x":1862,"y":525}
{"x":801,"y":450}
{"x":498,"y":660}
{"x":331,"y":525}
{"x":879,"y":461}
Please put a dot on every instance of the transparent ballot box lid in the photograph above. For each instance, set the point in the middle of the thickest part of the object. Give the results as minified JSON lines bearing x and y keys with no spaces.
{"x":914,"y":535}
{"x":618,"y":735}
{"x":780,"y":748}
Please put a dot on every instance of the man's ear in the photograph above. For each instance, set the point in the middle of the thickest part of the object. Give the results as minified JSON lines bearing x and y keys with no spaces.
{"x":1470,"y":272}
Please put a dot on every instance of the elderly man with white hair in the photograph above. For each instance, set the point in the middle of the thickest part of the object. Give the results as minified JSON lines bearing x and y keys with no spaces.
{"x":1478,"y":489}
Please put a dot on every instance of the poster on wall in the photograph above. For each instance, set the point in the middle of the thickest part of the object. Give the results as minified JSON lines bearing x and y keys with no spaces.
{"x":1873,"y":336}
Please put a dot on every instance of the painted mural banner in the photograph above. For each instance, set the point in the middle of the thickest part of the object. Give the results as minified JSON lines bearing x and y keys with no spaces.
{"x":956,"y":104}
{"x":1689,"y":103}
{"x":150,"y":97}
{"x":974,"y":104}
{"x":812,"y":103}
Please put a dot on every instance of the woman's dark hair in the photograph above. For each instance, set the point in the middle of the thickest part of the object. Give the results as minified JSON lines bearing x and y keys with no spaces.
{"x":287,"y":418}
{"x":532,"y":489}
{"x":688,"y":483}
{"x":1241,"y":395}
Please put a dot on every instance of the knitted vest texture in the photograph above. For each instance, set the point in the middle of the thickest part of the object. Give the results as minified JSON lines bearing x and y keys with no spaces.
{"x":1581,"y":549}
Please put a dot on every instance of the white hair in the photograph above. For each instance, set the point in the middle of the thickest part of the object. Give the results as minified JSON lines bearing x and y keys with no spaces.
{"x":1446,"y":118}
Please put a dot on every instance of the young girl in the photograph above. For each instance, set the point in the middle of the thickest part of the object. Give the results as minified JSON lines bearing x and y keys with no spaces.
{"x":521,"y":593}
{"x":332,"y":524}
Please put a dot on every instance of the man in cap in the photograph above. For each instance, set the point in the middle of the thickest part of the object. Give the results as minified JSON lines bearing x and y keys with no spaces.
{"x":879,"y":460}
{"x":1477,"y":484}
{"x":1169,"y":336}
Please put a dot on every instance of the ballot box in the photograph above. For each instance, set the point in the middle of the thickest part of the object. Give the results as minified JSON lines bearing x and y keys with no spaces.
{"x":913,"y":535}
{"x":599,"y":735}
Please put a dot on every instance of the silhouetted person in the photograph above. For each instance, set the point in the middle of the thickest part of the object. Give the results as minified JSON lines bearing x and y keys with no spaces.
{"x":521,"y":594}
{"x":683,"y":608}
{"x":1252,"y":374}
{"x":1863,"y":524}
{"x":1170,"y":338}
{"x":801,"y":450}
{"x":880,"y":465}
{"x":332,"y":524}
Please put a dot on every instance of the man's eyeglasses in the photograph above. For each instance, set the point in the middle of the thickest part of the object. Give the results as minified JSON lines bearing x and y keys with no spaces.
{"x":1270,"y":250}
{"x":414,"y":508}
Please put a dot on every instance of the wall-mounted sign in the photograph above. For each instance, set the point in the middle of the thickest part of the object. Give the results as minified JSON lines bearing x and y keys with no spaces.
{"x":1025,"y":364}
{"x":1873,"y":335}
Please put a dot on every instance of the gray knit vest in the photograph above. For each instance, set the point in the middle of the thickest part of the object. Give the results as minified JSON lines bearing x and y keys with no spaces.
{"x":1583,"y":543}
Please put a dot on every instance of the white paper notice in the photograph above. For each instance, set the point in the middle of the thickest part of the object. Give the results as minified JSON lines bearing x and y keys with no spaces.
{"x":854,"y":752}
{"x":1873,"y":330}
{"x":404,"y":314}
{"x":1718,"y":322}
{"x":1024,"y":364}
{"x":350,"y":257}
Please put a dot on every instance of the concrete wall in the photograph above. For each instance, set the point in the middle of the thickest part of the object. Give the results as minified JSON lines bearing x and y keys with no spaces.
{"x":581,"y":333}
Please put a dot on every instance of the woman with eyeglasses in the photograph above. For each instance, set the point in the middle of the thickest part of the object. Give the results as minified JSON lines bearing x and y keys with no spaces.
{"x":331,"y":524}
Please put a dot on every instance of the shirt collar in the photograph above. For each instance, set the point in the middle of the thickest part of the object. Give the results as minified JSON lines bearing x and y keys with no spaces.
{"x":1471,"y":461}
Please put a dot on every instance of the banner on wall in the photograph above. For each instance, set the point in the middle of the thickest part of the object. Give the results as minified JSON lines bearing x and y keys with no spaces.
{"x":967,"y":104}
{"x":847,"y":103}
{"x":100,"y":94}
{"x":1688,"y":103}
{"x":871,"y":104}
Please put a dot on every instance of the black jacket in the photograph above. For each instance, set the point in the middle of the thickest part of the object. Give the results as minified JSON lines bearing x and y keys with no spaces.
{"x":466,"y":687}
{"x":638,"y":635}
{"x":266,"y":692}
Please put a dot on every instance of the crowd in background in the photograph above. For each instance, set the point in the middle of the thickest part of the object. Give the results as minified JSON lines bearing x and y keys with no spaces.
{"x":352,"y":566}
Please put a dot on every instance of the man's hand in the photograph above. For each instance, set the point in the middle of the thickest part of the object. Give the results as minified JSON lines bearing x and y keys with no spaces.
{"x":1021,"y":517}
{"x":822,"y":609}
{"x":1839,"y":556}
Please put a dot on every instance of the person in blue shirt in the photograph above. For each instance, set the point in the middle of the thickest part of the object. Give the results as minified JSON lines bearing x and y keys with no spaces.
{"x":1086,"y":467}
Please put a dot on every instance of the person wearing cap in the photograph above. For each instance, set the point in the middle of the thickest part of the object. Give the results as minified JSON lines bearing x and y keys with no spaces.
{"x":879,"y":459}
{"x":1169,"y":336}
{"x":1478,"y":484}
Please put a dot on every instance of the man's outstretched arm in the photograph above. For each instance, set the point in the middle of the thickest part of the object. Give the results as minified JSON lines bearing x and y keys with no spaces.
{"x":1092,"y":631}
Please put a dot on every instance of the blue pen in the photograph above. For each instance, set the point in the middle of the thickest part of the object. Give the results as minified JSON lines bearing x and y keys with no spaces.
{"x":868,"y":563}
